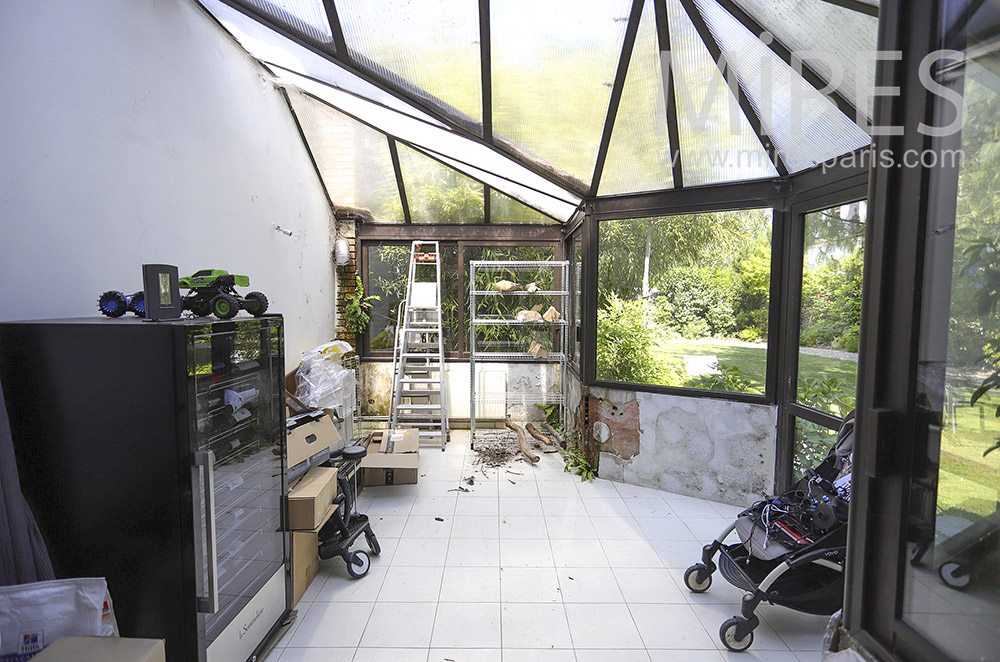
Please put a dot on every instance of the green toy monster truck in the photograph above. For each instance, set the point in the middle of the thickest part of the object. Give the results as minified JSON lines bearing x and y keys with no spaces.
{"x":212,"y":291}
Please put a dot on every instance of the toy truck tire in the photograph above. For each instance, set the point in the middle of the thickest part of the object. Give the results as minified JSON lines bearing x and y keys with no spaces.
{"x":225,"y":306}
{"x":112,"y":304}
{"x":256,"y":304}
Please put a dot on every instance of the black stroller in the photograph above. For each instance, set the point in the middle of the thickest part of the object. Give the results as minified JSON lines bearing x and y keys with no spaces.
{"x":346,"y":525}
{"x":792,"y":547}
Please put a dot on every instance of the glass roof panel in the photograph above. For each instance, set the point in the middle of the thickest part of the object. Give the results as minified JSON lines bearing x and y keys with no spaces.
{"x":504,"y":209}
{"x":268,"y":46}
{"x":806,"y":127}
{"x":459,"y":152}
{"x":307,"y":18}
{"x":838,"y":49}
{"x":430,"y":48}
{"x":717,"y":142}
{"x":639,"y":152}
{"x":353,"y":160}
{"x":553,"y":67}
{"x":436,"y":193}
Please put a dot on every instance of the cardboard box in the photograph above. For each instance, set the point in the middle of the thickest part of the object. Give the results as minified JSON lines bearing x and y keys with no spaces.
{"x":393,"y":458}
{"x":308,"y":434}
{"x":311,"y":497}
{"x":305,"y":556}
{"x":102,"y":649}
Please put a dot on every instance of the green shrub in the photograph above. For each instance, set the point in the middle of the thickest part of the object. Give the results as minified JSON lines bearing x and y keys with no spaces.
{"x":625,"y":347}
{"x":750,"y":334}
{"x":729,"y":378}
{"x":695,"y":329}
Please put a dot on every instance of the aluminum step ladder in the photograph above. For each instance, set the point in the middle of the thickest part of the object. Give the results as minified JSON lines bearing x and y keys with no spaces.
{"x":418,"y":390}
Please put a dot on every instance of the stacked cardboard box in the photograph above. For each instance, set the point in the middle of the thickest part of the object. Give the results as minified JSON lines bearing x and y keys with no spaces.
{"x":393,"y":457}
{"x":310,"y":505}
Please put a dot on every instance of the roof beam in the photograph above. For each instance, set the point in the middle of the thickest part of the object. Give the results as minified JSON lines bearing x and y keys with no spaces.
{"x":855,"y":5}
{"x":565,"y":182}
{"x":673,"y":128}
{"x":616,"y":92}
{"x":486,"y":67}
{"x":337,"y":30}
{"x":394,"y":154}
{"x":811,"y":76}
{"x":733,"y":80}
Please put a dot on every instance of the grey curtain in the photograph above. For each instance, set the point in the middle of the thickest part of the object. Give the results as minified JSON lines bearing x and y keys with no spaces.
{"x":23,"y":557}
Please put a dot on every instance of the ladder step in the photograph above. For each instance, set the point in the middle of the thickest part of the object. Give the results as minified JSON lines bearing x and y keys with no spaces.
{"x":419,"y":380}
{"x":410,"y":369}
{"x":431,"y":418}
{"x":430,"y":407}
{"x":420,"y":325}
{"x":421,"y":345}
{"x":421,"y":355}
{"x":418,"y":393}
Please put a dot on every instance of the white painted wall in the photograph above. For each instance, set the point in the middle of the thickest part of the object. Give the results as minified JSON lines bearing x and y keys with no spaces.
{"x":139,"y":131}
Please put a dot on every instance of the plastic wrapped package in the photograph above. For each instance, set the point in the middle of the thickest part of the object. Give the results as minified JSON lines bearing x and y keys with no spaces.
{"x":321,"y":382}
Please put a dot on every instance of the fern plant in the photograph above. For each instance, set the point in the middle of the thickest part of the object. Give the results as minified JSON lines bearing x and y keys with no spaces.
{"x":356,"y":316}
{"x":576,"y":463}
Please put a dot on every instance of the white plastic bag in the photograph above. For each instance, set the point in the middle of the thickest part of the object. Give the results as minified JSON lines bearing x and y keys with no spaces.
{"x":32,"y":616}
{"x":321,"y":382}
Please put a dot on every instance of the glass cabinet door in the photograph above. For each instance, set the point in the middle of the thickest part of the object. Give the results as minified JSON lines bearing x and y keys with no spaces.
{"x":236,"y":378}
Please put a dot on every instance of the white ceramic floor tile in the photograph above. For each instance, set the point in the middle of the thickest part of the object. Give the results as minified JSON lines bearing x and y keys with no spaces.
{"x":631,"y":554}
{"x":678,"y":553}
{"x":390,"y":655}
{"x":518,"y":486}
{"x":405,"y":584}
{"x":467,"y":625}
{"x":465,"y":655}
{"x":478,"y":508}
{"x":648,"y":507}
{"x":421,"y":552}
{"x":628,"y":491}
{"x":520,"y":506}
{"x":398,"y":625}
{"x":397,"y":490}
{"x":435,"y":506}
{"x":712,"y":616}
{"x":331,"y":625}
{"x":471,"y":552}
{"x":671,"y":626}
{"x":427,"y":526}
{"x":560,"y":489}
{"x":578,"y":553}
{"x":521,"y":552}
{"x":679,"y":655}
{"x":526,"y":625}
{"x":606,"y":507}
{"x":437,"y":487}
{"x":707,"y":528}
{"x":563,"y":507}
{"x":387,"y":526}
{"x":617,"y":528}
{"x":687,"y":507}
{"x":538,"y":655}
{"x":569,"y":527}
{"x":476,"y":526}
{"x":800,"y":632}
{"x":597,"y":489}
{"x":461,"y":584}
{"x":441,"y":472}
{"x":648,"y":586}
{"x":391,"y":506}
{"x":584,"y":585}
{"x":598,"y":655}
{"x":529,"y":585}
{"x":602,"y":626}
{"x":522,"y":527}
{"x":341,"y":587}
{"x":313,"y":655}
{"x":668,"y":528}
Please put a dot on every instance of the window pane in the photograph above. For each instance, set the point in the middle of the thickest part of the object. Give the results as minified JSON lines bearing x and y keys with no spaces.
{"x":387,"y":266}
{"x":500,"y":338}
{"x":554,"y":64}
{"x":807,"y":128}
{"x":576,"y":291}
{"x":850,"y":34}
{"x":307,"y":18}
{"x":436,"y":193}
{"x":812,"y":444}
{"x":683,"y":300}
{"x":429,"y":49}
{"x":504,"y":209}
{"x":717,"y":142}
{"x":353,"y":160}
{"x":830,"y":317}
{"x":639,"y":152}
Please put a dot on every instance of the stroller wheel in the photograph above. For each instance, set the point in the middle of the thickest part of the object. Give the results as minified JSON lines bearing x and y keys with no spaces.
{"x":698,"y":578}
{"x":359,"y":565}
{"x":727,"y":633}
{"x":955,"y":575}
{"x":373,"y":545}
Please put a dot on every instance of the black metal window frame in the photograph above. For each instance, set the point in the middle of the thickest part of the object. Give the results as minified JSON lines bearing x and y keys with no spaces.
{"x":461,"y":236}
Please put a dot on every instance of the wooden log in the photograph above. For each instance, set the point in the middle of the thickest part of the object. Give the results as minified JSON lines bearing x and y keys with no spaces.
{"x":554,"y":434}
{"x":549,"y":447}
{"x":523,"y":440}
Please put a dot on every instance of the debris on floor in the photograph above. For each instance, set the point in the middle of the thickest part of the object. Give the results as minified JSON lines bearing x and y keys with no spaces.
{"x":495,"y":453}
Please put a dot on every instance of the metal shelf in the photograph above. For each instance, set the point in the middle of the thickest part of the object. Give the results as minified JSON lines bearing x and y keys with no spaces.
{"x":514,"y":350}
